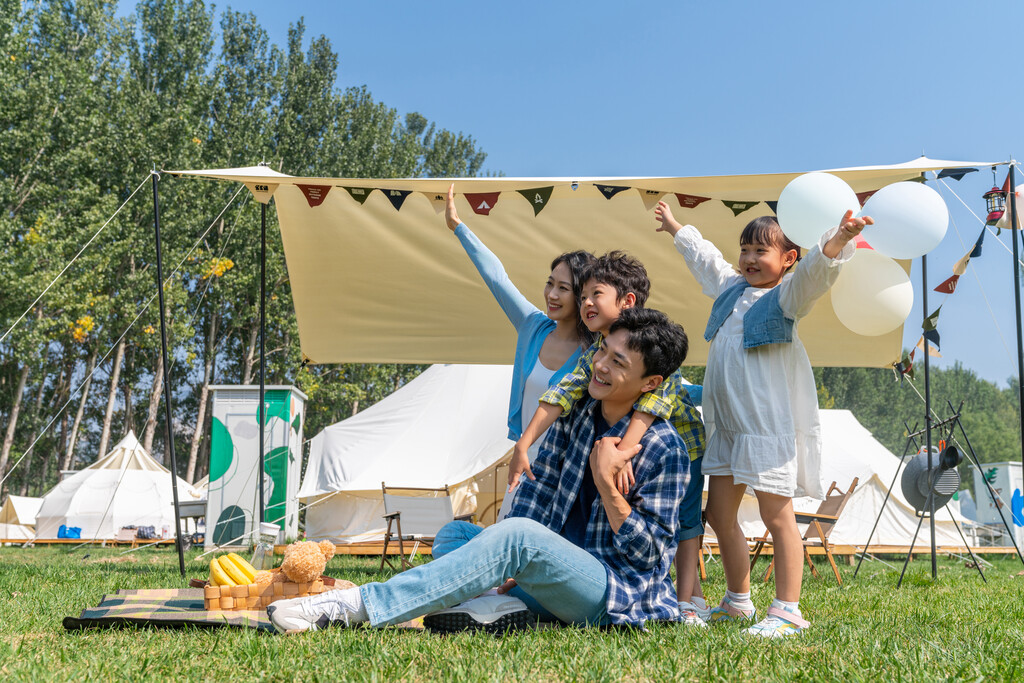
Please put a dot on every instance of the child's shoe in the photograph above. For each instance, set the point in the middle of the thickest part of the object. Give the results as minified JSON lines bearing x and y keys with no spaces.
{"x":690,"y":615}
{"x":779,"y":623}
{"x":726,"y":611}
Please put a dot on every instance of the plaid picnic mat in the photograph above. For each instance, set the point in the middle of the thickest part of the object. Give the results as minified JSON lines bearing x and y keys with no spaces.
{"x":167,"y":607}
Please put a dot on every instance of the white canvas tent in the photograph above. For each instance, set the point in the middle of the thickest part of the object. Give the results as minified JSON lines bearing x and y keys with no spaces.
{"x":448,"y":425}
{"x":18,"y":517}
{"x":850,"y":451}
{"x":445,"y":427}
{"x":408,"y":294}
{"x":127,"y":487}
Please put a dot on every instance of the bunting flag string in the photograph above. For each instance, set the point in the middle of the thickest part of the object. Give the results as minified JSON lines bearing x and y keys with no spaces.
{"x":863,"y":197}
{"x":315,"y":194}
{"x":396,"y":197}
{"x":932,"y":351}
{"x":740,"y":207}
{"x":948,"y":286}
{"x":905,"y":366}
{"x":930,"y":325}
{"x":482,"y":202}
{"x":437,"y":200}
{"x":774,"y":206}
{"x":538,"y":197}
{"x":690,"y":201}
{"x":610,"y":191}
{"x":359,"y":193}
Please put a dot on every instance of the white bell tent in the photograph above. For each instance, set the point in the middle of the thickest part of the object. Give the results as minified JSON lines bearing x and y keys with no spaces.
{"x":18,"y":518}
{"x":127,"y":487}
{"x":445,"y":427}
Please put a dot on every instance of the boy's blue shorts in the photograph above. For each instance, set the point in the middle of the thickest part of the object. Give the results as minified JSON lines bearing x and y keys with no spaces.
{"x":690,"y":525}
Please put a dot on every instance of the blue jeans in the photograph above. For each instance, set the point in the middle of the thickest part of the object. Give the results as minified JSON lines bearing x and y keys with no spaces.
{"x":559,"y":577}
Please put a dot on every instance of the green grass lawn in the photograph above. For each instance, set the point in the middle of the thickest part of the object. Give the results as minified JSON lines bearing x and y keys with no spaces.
{"x":957,"y":628}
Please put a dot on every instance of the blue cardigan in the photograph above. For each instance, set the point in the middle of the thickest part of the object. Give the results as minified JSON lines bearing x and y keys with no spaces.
{"x":532,"y":325}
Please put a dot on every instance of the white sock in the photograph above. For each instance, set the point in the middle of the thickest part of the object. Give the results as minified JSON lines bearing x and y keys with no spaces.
{"x":698,"y":602}
{"x":791,"y":607}
{"x":739,"y":600}
{"x":342,"y":605}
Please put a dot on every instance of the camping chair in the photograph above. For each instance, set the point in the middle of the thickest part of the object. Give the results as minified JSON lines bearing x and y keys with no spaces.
{"x":819,"y":527}
{"x":423,"y":515}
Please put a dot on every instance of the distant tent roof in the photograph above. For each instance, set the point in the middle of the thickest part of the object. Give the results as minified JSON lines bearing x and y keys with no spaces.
{"x":124,"y":488}
{"x":377,"y":277}
{"x":17,"y":516}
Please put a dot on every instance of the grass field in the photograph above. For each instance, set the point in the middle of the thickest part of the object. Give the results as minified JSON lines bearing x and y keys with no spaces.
{"x":955,"y":629}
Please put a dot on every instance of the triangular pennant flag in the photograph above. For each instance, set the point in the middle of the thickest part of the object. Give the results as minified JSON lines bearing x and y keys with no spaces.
{"x":905,"y":366}
{"x":482,"y":202}
{"x":954,"y":173}
{"x":932,"y":321}
{"x":960,"y":267}
{"x":862,"y":197}
{"x":933,"y":337}
{"x":949,"y":286}
{"x":740,"y":207}
{"x":977,"y":245}
{"x":690,"y":201}
{"x":538,"y":197}
{"x":774,"y":206}
{"x":359,"y":193}
{"x":437,"y":200}
{"x":396,"y":197}
{"x":610,"y":191}
{"x":650,"y":197}
{"x":931,"y":351}
{"x":315,"y":194}
{"x":861,"y":243}
{"x":262,"y":191}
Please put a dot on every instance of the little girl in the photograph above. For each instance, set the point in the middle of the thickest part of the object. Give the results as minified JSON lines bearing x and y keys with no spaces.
{"x":760,"y":402}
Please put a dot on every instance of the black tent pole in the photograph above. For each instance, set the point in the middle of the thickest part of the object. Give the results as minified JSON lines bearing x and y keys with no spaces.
{"x":263,"y":356}
{"x":167,"y":377}
{"x":1016,"y":297}
{"x":927,"y":410}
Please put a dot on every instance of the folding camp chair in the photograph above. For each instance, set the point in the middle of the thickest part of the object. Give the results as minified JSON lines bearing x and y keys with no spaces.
{"x":423,"y":517}
{"x":819,"y":528}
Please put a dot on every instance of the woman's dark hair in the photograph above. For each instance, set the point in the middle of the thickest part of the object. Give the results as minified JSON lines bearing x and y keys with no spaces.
{"x":578,"y":263}
{"x":766,"y":230}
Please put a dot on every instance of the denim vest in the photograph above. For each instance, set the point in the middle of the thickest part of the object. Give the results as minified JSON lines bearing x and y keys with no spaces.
{"x":764,"y":323}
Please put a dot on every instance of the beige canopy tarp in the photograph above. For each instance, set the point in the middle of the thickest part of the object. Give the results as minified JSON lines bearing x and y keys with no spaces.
{"x":373,"y":283}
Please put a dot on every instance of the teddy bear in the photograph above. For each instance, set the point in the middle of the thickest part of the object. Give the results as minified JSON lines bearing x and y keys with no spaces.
{"x":304,"y":561}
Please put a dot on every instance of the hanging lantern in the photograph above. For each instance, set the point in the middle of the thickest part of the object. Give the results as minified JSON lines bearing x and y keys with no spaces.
{"x":995,"y":204}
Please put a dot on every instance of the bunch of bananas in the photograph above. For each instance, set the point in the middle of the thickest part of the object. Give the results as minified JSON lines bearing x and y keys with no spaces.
{"x":231,"y":570}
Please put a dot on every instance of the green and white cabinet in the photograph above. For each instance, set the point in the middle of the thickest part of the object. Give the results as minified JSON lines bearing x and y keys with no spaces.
{"x":231,"y":510}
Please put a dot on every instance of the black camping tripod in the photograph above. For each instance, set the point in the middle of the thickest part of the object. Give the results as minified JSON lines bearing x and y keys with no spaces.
{"x":953,"y":422}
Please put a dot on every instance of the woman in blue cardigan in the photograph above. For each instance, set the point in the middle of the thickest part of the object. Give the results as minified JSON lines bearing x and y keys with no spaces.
{"x":548,"y":342}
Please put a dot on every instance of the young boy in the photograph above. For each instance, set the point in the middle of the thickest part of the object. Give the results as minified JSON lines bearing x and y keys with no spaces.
{"x":615,"y":282}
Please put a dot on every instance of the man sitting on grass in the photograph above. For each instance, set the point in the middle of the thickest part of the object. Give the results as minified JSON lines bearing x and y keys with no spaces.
{"x":580,"y":549}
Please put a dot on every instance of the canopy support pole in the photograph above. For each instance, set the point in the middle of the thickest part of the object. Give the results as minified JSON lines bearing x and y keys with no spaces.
{"x":262,"y":417}
{"x":167,"y":377}
{"x":927,"y":413}
{"x":1016,"y":299}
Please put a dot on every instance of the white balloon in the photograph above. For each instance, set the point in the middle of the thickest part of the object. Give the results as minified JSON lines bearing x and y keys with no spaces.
{"x":910,"y":220}
{"x":872,"y":295}
{"x":812,"y":204}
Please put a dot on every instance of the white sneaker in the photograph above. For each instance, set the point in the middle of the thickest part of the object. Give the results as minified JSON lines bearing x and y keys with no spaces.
{"x":779,"y":623}
{"x":690,"y":615}
{"x":307,"y":614}
{"x":490,"y":613}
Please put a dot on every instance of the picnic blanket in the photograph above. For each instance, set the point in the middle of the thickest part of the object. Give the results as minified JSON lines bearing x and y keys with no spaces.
{"x":172,"y":608}
{"x":163,"y":607}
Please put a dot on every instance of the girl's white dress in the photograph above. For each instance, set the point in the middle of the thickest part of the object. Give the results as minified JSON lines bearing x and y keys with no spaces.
{"x":760,"y":404}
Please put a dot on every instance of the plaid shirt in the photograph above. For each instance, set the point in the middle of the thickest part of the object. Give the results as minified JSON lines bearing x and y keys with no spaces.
{"x":638,"y":556}
{"x":669,"y":400}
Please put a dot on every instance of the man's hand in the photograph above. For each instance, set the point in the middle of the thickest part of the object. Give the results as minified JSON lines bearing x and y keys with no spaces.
{"x":607,"y":462}
{"x":451,"y":216}
{"x":663,"y":215}
{"x":519,"y":465}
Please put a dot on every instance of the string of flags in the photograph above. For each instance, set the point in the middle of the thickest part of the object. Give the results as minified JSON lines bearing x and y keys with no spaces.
{"x":483,"y":202}
{"x":929,"y":326}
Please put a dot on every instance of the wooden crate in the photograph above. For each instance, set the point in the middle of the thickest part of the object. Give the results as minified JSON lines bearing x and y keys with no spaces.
{"x":249,"y":596}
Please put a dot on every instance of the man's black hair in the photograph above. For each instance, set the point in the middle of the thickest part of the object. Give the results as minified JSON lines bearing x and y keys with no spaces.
{"x":661,"y":342}
{"x":623,"y":272}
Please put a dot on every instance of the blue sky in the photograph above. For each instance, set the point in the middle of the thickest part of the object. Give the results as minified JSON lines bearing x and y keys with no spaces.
{"x":687,"y":88}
